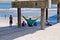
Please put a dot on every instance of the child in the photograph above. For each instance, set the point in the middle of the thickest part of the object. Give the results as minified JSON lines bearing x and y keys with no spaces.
{"x":23,"y":23}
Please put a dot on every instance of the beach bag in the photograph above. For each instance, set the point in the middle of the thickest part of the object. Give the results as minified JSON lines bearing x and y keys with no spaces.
{"x":35,"y":24}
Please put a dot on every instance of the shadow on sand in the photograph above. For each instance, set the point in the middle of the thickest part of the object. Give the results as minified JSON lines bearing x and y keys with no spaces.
{"x":10,"y":33}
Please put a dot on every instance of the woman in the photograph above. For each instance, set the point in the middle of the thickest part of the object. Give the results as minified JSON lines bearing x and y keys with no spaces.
{"x":10,"y":18}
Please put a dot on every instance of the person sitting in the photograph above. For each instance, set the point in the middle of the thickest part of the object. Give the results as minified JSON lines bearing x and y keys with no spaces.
{"x":30,"y":21}
{"x":48,"y":24}
{"x":23,"y":24}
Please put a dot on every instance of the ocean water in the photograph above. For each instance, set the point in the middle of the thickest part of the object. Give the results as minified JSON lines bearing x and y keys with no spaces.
{"x":52,"y":12}
{"x":52,"y":18}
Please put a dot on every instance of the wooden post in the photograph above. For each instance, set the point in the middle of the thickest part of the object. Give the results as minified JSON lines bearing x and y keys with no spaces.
{"x":42,"y":18}
{"x":19,"y":17}
{"x":46,"y":14}
{"x":58,"y":13}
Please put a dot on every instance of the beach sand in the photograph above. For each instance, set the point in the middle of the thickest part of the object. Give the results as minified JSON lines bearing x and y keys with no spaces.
{"x":28,"y":33}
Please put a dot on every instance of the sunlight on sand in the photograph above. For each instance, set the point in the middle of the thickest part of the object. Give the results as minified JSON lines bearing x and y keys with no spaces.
{"x":50,"y":33}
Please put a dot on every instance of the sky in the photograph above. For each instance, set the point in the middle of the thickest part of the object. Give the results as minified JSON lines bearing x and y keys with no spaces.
{"x":5,"y":4}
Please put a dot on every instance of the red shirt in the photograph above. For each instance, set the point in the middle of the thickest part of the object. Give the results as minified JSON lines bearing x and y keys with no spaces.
{"x":10,"y":18}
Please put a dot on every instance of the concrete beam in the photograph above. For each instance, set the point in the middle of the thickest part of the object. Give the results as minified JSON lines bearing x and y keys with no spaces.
{"x":19,"y":0}
{"x":54,"y":1}
{"x":29,"y":4}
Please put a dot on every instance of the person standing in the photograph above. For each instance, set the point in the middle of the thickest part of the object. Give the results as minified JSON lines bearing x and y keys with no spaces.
{"x":10,"y":20}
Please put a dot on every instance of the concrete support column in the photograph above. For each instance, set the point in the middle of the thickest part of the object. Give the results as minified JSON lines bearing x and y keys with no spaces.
{"x":42,"y":18}
{"x":19,"y":17}
{"x":49,"y":3}
{"x":58,"y":12}
{"x":46,"y":14}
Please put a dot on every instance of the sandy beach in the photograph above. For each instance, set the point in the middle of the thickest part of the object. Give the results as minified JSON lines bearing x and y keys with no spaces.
{"x":28,"y":33}
{"x":8,"y":32}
